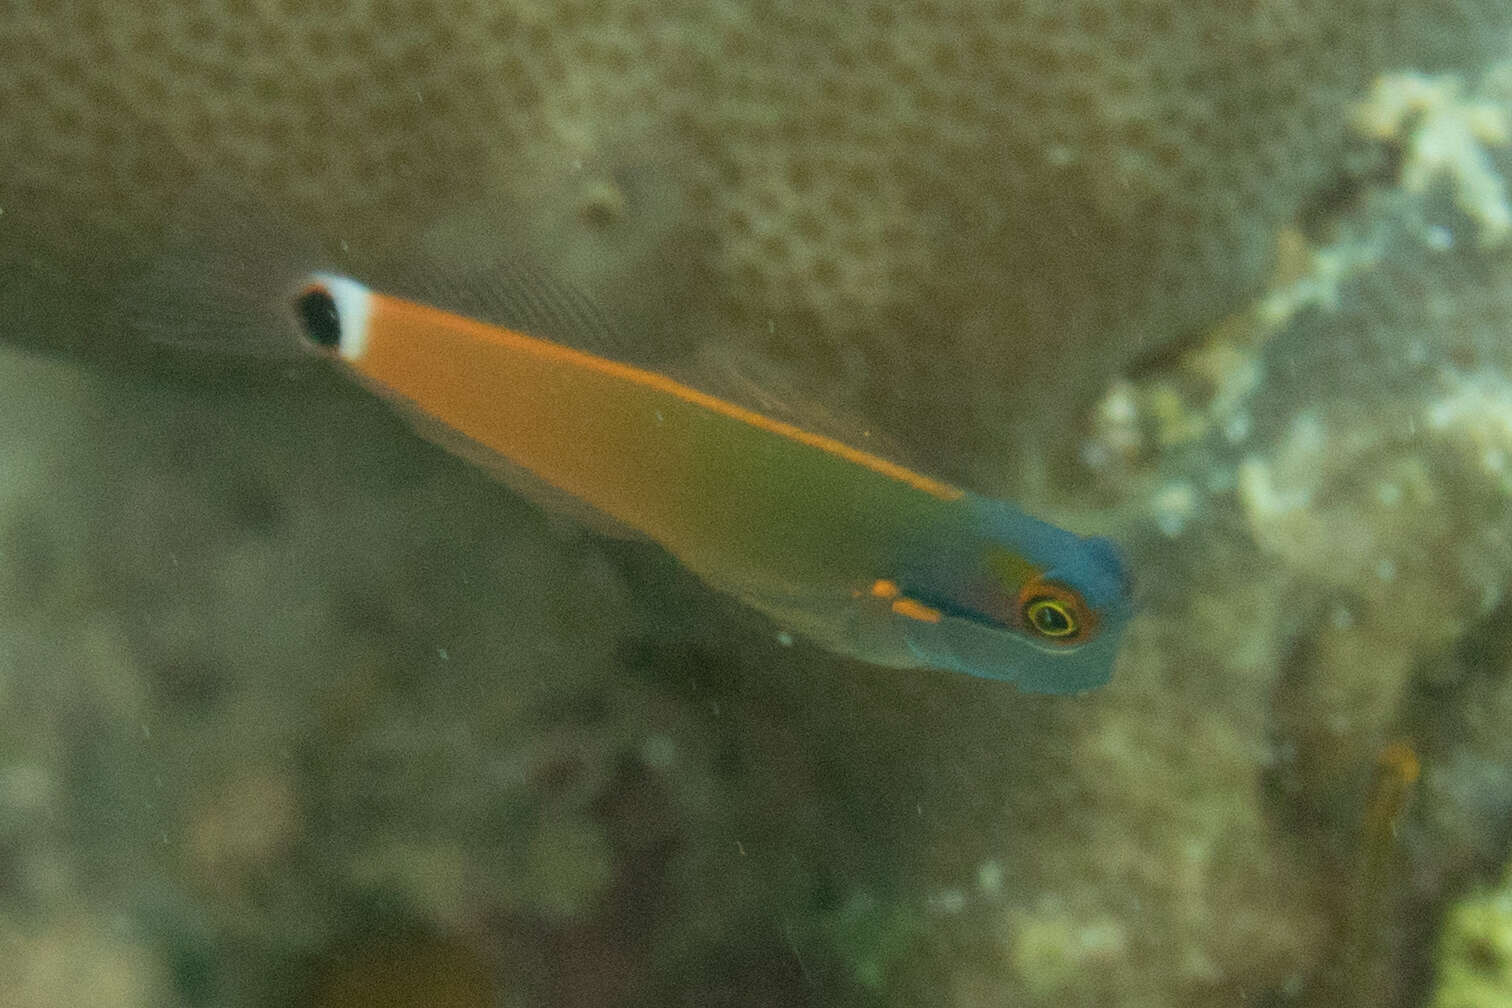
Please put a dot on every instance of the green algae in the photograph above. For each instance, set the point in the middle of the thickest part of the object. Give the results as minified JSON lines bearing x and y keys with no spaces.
{"x":1474,"y":955}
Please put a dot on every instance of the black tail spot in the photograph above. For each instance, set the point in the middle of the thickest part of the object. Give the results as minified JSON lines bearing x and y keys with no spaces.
{"x":318,"y":318}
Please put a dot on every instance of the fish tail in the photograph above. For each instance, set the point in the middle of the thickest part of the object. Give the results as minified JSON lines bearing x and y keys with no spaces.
{"x":220,"y":280}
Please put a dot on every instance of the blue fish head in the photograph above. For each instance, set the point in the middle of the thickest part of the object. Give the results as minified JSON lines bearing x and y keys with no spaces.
{"x":1019,"y":599}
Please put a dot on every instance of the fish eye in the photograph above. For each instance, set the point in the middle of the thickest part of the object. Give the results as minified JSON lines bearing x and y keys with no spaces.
{"x":1050,"y":617}
{"x":1055,"y":613}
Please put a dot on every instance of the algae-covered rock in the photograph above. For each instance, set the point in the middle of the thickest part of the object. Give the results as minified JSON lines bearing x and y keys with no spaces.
{"x":567,"y":868}
{"x":1474,"y":960}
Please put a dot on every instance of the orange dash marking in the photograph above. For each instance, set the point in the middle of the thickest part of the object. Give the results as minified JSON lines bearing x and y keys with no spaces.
{"x":902,"y":604}
{"x":915,"y":610}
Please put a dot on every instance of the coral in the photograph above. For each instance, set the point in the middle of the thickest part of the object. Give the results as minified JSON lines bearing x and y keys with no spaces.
{"x":871,"y":936}
{"x":410,"y":972}
{"x":1363,"y":514}
{"x":567,"y":869}
{"x":1475,"y":953}
{"x":78,"y":960}
{"x":1445,"y":136}
{"x":225,"y":713}
{"x":1353,"y":422}
{"x":911,"y":205}
{"x":1052,"y":951}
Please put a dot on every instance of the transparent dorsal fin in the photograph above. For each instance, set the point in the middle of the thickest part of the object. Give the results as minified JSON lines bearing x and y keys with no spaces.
{"x":492,"y":260}
{"x":228,"y":262}
{"x":466,"y":268}
{"x":745,"y":377}
{"x":517,"y":294}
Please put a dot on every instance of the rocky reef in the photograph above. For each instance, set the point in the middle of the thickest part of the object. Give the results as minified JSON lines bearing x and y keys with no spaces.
{"x":297,"y":709}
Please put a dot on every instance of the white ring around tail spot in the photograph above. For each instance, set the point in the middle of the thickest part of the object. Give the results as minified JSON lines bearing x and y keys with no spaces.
{"x":354,"y":307}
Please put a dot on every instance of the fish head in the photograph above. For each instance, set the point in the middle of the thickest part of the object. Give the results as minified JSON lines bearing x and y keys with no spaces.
{"x":1018,"y":599}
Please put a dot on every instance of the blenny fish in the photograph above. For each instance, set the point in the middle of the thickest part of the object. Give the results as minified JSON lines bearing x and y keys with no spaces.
{"x":865,"y":557}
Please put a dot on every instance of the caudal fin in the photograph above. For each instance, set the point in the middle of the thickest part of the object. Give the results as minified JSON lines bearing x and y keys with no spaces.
{"x":220,"y":281}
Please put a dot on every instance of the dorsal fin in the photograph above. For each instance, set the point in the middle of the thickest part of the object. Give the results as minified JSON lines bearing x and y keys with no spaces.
{"x":466,"y":268}
{"x":229,"y":264}
{"x":514,"y":293}
{"x":747,"y":378}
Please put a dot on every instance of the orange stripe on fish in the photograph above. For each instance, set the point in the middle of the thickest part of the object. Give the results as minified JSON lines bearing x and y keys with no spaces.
{"x":398,"y":315}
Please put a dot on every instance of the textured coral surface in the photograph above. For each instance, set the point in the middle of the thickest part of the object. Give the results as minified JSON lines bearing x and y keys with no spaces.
{"x":297,"y":709}
{"x":908,"y":201}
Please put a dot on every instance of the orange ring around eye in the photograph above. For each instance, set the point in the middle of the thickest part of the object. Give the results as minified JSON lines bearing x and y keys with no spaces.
{"x":1054,"y":613}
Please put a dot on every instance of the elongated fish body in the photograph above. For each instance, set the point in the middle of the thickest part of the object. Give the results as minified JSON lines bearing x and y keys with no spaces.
{"x":866,"y":557}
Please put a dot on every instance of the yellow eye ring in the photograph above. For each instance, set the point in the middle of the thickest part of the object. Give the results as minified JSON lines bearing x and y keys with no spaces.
{"x":1055,"y":614}
{"x":1050,"y":617}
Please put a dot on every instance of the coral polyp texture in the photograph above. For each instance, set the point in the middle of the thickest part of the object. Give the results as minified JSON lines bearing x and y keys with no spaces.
{"x":884,"y":194}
